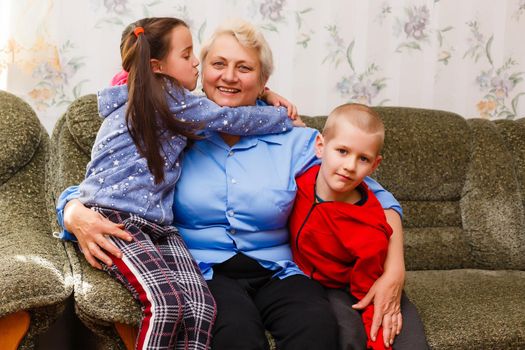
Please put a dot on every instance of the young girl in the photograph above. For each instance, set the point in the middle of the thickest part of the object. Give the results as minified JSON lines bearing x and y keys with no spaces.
{"x":133,"y":169}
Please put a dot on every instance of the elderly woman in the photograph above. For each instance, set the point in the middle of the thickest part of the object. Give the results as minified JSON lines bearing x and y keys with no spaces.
{"x":231,"y":206}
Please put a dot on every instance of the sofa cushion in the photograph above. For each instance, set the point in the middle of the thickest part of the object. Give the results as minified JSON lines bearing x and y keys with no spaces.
{"x":20,"y":133}
{"x":513,"y":133}
{"x":436,"y":247}
{"x":491,"y":206}
{"x":470,"y":309}
{"x":99,"y":299}
{"x":71,"y":143}
{"x":103,"y":298}
{"x":35,"y":274}
{"x":426,"y":154}
{"x":442,"y":142}
{"x":430,"y":194}
{"x":33,"y":264}
{"x":83,"y":122}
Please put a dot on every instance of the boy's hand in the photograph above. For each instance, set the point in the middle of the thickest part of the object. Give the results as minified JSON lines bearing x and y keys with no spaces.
{"x":277,"y":100}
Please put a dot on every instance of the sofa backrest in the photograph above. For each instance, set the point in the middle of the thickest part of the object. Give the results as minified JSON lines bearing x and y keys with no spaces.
{"x":21,"y":135}
{"x":513,"y":134}
{"x":71,"y":142}
{"x":33,"y":264}
{"x":426,"y":156}
{"x":455,"y":182}
{"x":24,"y":151}
{"x":453,"y":177}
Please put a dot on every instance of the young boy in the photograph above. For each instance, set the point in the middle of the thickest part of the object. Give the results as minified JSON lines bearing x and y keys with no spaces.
{"x":339,"y":233}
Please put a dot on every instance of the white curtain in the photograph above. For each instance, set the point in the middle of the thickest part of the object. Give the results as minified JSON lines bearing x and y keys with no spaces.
{"x":465,"y":56}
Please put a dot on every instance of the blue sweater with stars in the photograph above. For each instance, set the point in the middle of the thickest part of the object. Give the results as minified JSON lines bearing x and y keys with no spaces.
{"x":117,"y":177}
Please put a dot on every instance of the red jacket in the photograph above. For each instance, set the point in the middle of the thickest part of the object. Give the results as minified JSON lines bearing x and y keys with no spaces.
{"x":336,"y":243}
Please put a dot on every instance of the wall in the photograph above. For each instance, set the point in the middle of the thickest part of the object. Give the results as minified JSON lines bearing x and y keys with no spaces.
{"x":464,"y":56}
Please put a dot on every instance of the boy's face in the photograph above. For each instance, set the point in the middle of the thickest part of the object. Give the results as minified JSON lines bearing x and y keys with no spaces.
{"x":348,"y":156}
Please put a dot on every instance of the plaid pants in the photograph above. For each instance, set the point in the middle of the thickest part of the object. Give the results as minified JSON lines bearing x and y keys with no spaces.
{"x":179,"y":310}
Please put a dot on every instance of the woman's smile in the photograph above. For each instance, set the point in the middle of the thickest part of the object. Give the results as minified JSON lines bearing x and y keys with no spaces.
{"x":228,"y":90}
{"x":231,"y":73}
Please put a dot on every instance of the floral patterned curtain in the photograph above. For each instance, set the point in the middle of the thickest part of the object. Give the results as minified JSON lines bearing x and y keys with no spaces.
{"x":464,"y":56}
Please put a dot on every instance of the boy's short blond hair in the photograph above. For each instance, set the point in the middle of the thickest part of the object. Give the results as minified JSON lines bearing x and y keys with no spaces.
{"x":358,"y":115}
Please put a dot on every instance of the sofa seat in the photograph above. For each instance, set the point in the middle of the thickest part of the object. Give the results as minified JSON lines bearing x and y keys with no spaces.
{"x":470,"y":308}
{"x":102,"y":301}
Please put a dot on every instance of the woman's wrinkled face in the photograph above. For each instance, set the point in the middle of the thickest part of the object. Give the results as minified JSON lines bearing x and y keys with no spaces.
{"x":231,"y":73}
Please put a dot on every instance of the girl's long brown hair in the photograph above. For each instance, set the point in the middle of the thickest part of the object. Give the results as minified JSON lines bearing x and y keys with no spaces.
{"x":148,"y":117}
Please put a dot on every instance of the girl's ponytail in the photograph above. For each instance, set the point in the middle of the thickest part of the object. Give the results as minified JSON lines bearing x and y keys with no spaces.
{"x":148,"y":117}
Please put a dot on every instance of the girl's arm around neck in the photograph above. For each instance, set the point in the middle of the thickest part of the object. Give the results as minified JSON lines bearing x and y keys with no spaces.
{"x":242,"y":121}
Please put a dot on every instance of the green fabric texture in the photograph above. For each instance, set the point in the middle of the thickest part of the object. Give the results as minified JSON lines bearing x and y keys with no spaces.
{"x":459,"y":183}
{"x":431,"y":213}
{"x":436,"y":248}
{"x":70,"y":153}
{"x":99,"y":299}
{"x":470,"y":309}
{"x":426,"y":154}
{"x":117,"y":304}
{"x":35,"y":270}
{"x":491,"y":206}
{"x":83,"y":122}
{"x":425,"y":158}
{"x":20,"y":137}
{"x":513,"y":133}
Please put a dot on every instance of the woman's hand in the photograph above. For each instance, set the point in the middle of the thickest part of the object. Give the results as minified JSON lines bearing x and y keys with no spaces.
{"x":90,"y":228}
{"x":277,"y":100}
{"x":385,"y":293}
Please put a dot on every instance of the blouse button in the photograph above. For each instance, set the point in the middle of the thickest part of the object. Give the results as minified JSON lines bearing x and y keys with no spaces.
{"x":230,"y":153}
{"x":230,"y":213}
{"x":232,"y":231}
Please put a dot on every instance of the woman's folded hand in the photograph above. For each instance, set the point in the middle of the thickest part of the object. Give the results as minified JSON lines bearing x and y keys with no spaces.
{"x":91,"y":230}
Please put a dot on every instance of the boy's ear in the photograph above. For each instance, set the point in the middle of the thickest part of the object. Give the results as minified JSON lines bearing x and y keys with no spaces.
{"x":156,"y":66}
{"x":376,"y":163}
{"x":319,"y":146}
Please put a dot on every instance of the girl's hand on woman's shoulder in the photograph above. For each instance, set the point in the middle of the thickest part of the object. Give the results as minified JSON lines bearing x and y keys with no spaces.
{"x":277,"y":100}
{"x":298,"y":122}
{"x":91,"y":230}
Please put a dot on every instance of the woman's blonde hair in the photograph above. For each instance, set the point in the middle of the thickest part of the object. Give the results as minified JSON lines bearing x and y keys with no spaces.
{"x":248,"y":36}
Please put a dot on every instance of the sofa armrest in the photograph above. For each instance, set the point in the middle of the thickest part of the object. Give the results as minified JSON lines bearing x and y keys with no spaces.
{"x":513,"y":134}
{"x":34,"y":267}
{"x":490,"y":202}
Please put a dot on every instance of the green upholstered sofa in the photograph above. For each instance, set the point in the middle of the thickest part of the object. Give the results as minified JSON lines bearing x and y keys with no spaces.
{"x":101,"y":303}
{"x":461,"y":183}
{"x":35,"y":274}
